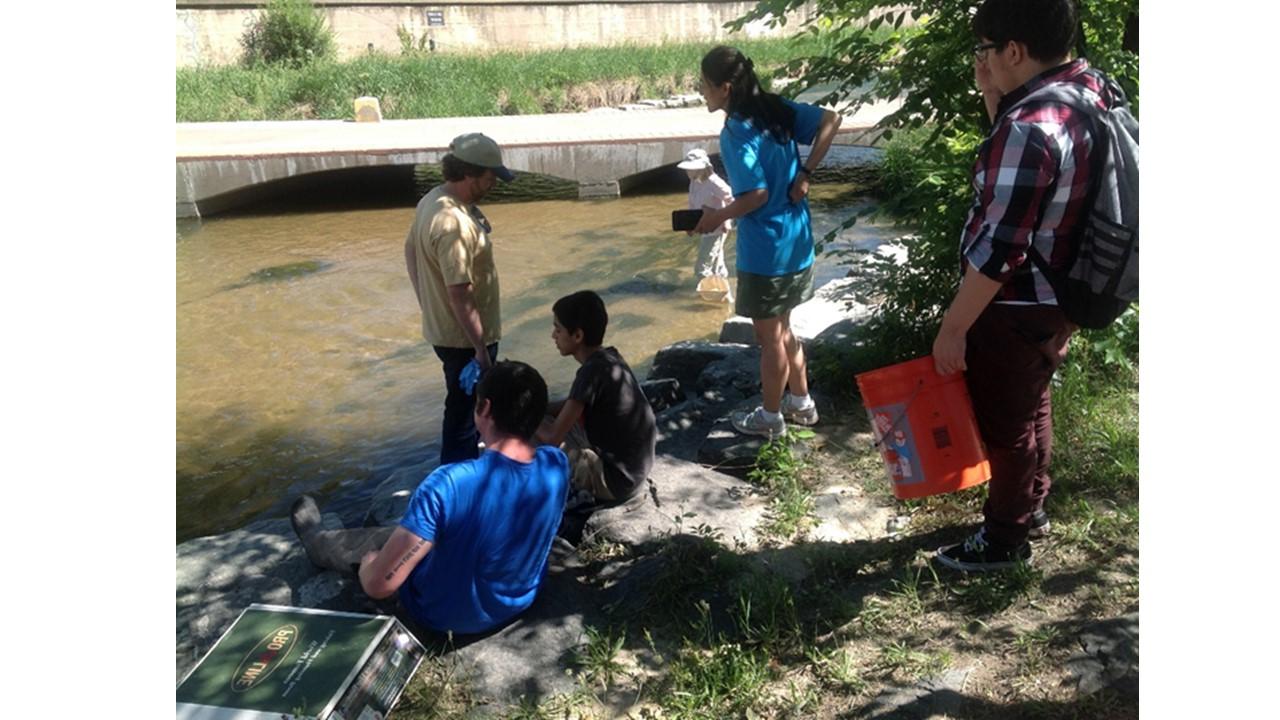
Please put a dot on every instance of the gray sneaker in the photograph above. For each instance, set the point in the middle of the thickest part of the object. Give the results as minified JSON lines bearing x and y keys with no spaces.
{"x":753,"y":423}
{"x":806,"y":416}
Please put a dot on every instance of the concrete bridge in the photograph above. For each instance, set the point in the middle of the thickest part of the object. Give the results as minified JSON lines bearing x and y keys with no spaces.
{"x":219,"y":165}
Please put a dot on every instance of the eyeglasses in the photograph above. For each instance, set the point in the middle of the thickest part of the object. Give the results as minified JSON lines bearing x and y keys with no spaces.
{"x":980,"y":51}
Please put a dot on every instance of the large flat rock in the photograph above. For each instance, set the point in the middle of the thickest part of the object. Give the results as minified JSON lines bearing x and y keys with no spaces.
{"x":683,"y":496}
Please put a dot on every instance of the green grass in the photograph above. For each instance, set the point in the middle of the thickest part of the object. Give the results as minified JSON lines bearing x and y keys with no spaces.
{"x":898,"y":658}
{"x":725,"y":680}
{"x":597,"y":658}
{"x":454,"y":85}
{"x":781,"y":474}
{"x":837,"y":669}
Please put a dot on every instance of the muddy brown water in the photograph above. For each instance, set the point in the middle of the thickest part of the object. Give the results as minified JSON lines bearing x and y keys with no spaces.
{"x":300,"y":362}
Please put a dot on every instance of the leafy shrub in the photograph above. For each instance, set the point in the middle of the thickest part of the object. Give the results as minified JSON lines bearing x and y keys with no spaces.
{"x":288,"y":32}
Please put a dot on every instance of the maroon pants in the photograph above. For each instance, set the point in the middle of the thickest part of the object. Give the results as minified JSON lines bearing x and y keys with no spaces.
{"x":1011,"y":354}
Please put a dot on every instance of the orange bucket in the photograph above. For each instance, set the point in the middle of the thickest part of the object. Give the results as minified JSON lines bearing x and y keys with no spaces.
{"x":925,"y":429}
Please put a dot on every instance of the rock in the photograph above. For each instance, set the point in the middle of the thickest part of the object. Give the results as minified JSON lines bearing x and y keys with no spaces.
{"x":685,"y":360}
{"x":680,"y":428}
{"x":205,"y":615}
{"x":830,"y":304}
{"x":738,"y":329}
{"x":530,"y":658}
{"x":391,"y":498}
{"x":662,"y":393}
{"x":941,"y":696}
{"x":682,"y":496}
{"x":219,"y":576}
{"x":1108,"y":656}
{"x":723,"y":374}
{"x":728,"y":450}
{"x":733,"y":377}
{"x":322,"y":588}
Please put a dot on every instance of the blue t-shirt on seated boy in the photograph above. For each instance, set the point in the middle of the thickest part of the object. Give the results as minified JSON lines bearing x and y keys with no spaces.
{"x":473,"y":546}
{"x":752,"y":161}
{"x":491,"y":521}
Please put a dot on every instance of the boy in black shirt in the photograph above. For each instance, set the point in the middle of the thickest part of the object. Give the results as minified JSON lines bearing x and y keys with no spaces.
{"x":606,"y":423}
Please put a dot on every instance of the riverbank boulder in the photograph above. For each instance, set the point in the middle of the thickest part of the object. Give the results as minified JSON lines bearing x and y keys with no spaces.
{"x":685,"y":360}
{"x":681,"y":495}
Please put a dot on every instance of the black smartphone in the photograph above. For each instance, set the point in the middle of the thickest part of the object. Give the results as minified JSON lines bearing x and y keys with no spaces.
{"x":685,"y":219}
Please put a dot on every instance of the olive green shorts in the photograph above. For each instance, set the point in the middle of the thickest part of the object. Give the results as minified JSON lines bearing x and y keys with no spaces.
{"x":764,"y":296}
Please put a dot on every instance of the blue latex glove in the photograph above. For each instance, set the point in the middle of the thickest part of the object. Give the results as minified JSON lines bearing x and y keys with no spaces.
{"x":469,"y":376}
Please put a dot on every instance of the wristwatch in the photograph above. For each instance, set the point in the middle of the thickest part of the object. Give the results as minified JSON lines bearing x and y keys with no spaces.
{"x":806,"y":171}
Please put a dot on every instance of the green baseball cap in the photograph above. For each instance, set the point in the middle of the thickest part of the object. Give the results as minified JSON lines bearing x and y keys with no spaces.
{"x":480,"y":149}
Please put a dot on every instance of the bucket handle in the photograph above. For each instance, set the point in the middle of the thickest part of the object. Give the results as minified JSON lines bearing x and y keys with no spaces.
{"x":898,"y":420}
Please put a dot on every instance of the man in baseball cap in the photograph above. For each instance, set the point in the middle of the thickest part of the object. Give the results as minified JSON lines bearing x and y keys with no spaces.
{"x":449,"y":256}
{"x":480,"y":149}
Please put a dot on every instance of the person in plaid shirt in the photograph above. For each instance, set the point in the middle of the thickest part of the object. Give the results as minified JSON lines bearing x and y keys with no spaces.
{"x":1031,"y":183}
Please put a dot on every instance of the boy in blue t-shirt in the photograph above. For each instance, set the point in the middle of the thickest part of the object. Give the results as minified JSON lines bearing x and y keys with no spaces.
{"x":472,"y":548}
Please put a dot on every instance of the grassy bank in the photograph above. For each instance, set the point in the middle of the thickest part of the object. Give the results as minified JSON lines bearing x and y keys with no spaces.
{"x":727,"y":636}
{"x":452,"y":85}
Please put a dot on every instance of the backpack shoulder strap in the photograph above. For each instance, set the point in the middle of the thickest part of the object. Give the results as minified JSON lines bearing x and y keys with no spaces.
{"x":1077,"y":98}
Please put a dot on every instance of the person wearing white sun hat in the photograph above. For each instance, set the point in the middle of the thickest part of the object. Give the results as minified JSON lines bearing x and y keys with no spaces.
{"x":708,"y":191}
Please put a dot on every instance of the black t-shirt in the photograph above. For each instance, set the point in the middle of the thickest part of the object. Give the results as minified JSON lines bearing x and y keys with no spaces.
{"x":618,"y":420}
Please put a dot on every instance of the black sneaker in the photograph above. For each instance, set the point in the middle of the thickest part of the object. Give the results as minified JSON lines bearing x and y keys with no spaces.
{"x":977,"y":555}
{"x":1039,"y":525}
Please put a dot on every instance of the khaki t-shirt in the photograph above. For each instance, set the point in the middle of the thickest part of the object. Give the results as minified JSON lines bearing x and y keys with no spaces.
{"x":452,"y":247}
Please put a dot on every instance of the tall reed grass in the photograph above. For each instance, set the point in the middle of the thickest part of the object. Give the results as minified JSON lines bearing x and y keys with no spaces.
{"x":452,"y":85}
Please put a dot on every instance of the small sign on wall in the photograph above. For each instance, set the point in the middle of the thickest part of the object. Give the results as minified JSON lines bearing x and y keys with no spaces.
{"x":435,"y":18}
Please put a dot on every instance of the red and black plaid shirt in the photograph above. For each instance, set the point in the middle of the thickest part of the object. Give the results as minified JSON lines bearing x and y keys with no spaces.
{"x":1030,"y":182}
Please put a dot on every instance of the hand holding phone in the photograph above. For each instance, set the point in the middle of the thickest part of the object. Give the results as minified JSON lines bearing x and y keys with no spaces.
{"x":685,"y":220}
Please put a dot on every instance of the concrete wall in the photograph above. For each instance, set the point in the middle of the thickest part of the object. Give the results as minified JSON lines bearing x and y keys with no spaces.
{"x":208,"y":31}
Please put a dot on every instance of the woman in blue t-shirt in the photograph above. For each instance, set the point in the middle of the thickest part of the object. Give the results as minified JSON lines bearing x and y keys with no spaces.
{"x":759,"y":148}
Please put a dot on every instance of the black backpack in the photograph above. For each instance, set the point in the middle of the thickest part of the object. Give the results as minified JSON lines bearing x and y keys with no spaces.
{"x":1102,"y":279}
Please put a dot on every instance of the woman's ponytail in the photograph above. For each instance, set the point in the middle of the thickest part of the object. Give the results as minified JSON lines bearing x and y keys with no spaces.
{"x":747,"y":100}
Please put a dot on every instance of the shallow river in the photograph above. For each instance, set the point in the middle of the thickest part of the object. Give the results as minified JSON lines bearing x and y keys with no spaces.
{"x":301,"y":366}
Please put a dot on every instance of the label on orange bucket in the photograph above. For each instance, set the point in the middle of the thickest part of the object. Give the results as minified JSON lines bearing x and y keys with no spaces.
{"x":897,"y":445}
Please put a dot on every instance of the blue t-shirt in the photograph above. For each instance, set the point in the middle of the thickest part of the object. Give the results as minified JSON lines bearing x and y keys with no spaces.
{"x":491,"y":521}
{"x":774,"y":239}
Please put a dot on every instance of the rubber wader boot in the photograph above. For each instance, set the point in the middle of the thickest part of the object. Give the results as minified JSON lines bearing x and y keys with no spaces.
{"x":339,"y":550}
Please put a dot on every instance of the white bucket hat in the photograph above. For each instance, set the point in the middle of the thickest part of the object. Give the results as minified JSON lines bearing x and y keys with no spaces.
{"x":695,"y":159}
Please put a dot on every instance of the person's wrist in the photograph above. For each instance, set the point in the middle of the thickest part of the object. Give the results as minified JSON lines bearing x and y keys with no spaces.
{"x":950,"y":327}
